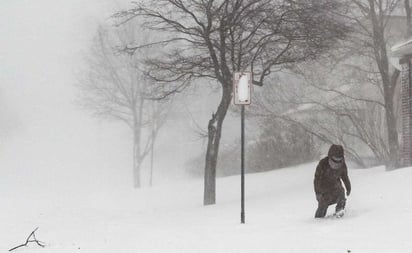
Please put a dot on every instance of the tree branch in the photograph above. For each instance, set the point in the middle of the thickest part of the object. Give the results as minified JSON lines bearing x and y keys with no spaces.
{"x":29,"y":240}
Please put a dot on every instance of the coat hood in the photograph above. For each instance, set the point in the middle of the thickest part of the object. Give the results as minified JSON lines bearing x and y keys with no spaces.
{"x":336,"y":150}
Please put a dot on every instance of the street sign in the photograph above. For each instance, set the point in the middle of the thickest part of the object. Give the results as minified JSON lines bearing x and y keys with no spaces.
{"x":242,"y":86}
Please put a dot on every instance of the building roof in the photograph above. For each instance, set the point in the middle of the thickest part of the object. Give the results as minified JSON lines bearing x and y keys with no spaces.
{"x":402,"y":48}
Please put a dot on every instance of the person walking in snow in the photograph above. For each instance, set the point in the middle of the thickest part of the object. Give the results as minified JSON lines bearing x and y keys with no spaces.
{"x":328,"y":187}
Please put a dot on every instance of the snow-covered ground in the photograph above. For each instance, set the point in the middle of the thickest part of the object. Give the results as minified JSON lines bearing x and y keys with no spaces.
{"x":62,"y":173}
{"x":170,"y":218}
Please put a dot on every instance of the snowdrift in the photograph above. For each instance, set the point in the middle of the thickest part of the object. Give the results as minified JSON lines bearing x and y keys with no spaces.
{"x":279,"y":216}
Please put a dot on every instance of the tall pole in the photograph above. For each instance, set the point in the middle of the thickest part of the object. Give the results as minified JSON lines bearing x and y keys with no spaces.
{"x":242,"y":165}
{"x":242,"y":82}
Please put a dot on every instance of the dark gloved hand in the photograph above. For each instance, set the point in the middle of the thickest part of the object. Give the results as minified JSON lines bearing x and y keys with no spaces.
{"x":348,"y":192}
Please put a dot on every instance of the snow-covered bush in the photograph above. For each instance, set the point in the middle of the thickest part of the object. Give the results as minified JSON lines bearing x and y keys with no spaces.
{"x":278,"y":145}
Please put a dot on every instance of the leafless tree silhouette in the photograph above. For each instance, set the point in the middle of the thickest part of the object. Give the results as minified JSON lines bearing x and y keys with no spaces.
{"x":213,"y":39}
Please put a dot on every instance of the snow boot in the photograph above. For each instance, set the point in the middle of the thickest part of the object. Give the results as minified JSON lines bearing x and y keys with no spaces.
{"x":340,"y":213}
{"x":340,"y":207}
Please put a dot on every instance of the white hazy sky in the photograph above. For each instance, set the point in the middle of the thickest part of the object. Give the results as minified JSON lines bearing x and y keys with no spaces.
{"x":41,"y":43}
{"x":41,"y":129}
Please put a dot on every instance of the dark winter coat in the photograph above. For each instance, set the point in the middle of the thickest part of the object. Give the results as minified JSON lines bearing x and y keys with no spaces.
{"x":327,"y":182}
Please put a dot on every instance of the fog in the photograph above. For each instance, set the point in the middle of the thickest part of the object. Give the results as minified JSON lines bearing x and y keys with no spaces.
{"x":43,"y":131}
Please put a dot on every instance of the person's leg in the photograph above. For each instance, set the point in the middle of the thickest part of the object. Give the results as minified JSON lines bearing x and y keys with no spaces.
{"x":321,"y":211}
{"x":340,"y":201}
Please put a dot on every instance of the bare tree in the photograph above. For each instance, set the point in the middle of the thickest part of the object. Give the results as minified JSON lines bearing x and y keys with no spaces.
{"x":113,"y":87}
{"x":333,"y":105}
{"x":360,"y":80}
{"x":372,"y":18}
{"x":373,"y":22}
{"x":158,"y":116}
{"x":212,"y":39}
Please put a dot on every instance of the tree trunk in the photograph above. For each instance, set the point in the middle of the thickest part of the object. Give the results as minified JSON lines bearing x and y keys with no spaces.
{"x":136,"y":158}
{"x":214,"y":134}
{"x":389,"y":83}
{"x":137,"y":132}
{"x":408,"y":18}
{"x":153,"y":137}
{"x":151,"y":162}
{"x":392,"y":133}
{"x":392,"y":139}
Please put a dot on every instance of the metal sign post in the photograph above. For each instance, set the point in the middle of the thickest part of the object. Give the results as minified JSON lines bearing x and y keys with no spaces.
{"x":242,"y":165}
{"x":242,"y":82}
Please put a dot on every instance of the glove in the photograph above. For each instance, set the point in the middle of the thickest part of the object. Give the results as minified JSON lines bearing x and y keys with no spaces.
{"x":348,"y":192}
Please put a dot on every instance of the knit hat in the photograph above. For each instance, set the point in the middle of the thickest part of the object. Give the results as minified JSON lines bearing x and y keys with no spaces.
{"x":336,"y":156}
{"x":336,"y":152}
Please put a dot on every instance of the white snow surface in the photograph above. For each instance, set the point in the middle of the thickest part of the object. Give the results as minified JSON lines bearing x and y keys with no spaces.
{"x":279,"y":216}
